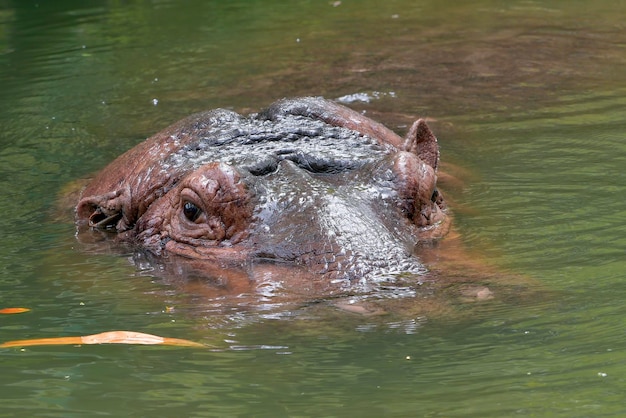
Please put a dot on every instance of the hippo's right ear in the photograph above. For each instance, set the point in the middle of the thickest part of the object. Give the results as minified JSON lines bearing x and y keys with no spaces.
{"x":105,"y":211}
{"x":422,"y":142}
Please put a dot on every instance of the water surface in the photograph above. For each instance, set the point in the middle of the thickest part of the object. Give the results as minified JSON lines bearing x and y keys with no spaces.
{"x":527,"y":96}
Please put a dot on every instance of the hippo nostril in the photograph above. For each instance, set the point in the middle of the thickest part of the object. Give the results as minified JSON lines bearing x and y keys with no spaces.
{"x":435,"y":195}
{"x":100,"y":220}
{"x":264,"y":167}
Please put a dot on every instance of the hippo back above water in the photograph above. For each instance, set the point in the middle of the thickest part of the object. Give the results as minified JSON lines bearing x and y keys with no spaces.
{"x":305,"y":186}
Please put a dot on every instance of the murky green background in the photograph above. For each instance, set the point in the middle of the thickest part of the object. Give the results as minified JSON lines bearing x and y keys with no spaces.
{"x":530,"y":96}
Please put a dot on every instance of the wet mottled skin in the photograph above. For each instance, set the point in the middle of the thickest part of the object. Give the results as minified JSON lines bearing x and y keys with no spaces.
{"x":306,"y":195}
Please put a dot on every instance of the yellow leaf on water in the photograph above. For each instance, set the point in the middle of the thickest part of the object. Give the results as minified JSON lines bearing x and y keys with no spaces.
{"x":110,"y":337}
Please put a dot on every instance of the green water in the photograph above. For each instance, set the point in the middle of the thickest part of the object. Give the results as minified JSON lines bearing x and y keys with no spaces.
{"x":528,"y":96}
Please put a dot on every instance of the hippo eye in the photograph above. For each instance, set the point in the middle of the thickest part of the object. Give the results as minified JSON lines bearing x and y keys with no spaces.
{"x":191,"y":211}
{"x":435,"y":195}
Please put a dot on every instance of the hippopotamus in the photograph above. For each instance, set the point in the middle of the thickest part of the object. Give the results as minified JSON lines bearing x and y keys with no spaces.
{"x":306,"y":190}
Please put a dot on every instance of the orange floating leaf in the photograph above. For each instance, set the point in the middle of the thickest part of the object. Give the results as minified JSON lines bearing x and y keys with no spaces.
{"x":13,"y":310}
{"x":110,"y":337}
{"x":42,"y":341}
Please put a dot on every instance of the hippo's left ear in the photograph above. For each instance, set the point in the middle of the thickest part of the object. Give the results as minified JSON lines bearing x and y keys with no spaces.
{"x":422,"y":142}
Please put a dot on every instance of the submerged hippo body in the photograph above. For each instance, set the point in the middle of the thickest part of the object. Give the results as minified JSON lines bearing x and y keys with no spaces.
{"x":307,"y":188}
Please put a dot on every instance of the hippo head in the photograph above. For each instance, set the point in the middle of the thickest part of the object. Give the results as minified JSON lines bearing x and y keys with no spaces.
{"x":306,"y":184}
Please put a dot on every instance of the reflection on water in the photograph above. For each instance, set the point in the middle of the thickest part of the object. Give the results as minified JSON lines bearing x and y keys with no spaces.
{"x":527,"y":95}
